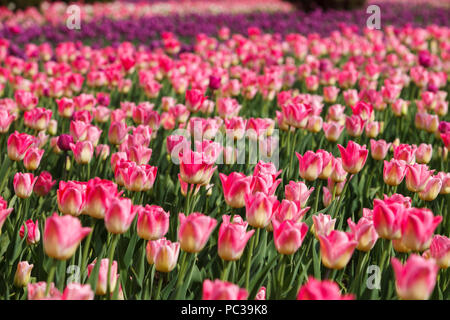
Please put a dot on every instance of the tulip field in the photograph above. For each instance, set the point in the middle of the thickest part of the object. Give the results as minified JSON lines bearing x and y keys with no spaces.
{"x":246,"y":157}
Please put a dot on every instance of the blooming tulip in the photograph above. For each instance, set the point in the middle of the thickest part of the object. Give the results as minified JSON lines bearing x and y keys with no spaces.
{"x":119,"y":215}
{"x":233,"y":237}
{"x":194,"y":231}
{"x":152,"y":223}
{"x":23,"y":273}
{"x":235,"y":186}
{"x":260,"y":209}
{"x":336,"y":249}
{"x":102,"y":282}
{"x":23,"y":184}
{"x":353,"y":157}
{"x":288,"y":235}
{"x":163,"y":253}
{"x":321,"y":290}
{"x":222,"y":290}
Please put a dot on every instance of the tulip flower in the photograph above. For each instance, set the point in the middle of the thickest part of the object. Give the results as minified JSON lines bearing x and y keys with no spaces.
{"x":288,"y":235}
{"x":338,"y":174}
{"x":4,"y":212}
{"x":445,"y":178}
{"x":415,"y":280}
{"x":388,"y":218}
{"x":23,"y":184}
{"x":118,"y":132}
{"x":222,"y":290}
{"x":297,"y":191}
{"x":33,"y":234}
{"x":432,"y":189}
{"x":23,"y":274}
{"x":194,"y":231}
{"x":235,"y":186}
{"x":353,"y":157}
{"x":417,"y":176}
{"x":260,"y":209}
{"x":405,"y":152}
{"x":440,"y":251}
{"x":36,"y":291}
{"x":64,"y":142}
{"x":196,"y":168}
{"x":18,"y":144}
{"x":163,"y":254}
{"x":152,"y":223}
{"x":102,"y":282}
{"x":76,"y":291}
{"x":336,"y":249}
{"x":418,"y":227}
{"x":82,"y":151}
{"x":99,"y":194}
{"x":119,"y":215}
{"x":321,"y":290}
{"x":233,"y":238}
{"x":332,"y":131}
{"x":364,"y":232}
{"x":71,"y":197}
{"x":322,"y":225}
{"x":394,"y":171}
{"x":261,"y":295}
{"x":62,"y":235}
{"x":424,"y":153}
{"x":379,"y":149}
{"x":310,"y":165}
{"x":354,"y":125}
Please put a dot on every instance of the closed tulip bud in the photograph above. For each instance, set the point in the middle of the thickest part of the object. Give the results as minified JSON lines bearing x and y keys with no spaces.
{"x":23,"y":184}
{"x":373,"y":128}
{"x":315,"y":124}
{"x":364,"y":232}
{"x":194,"y":231}
{"x":71,"y":197}
{"x":260,"y":209}
{"x":33,"y":234}
{"x":261,"y":295}
{"x":415,"y":280}
{"x":353,"y":157}
{"x":64,"y":142}
{"x":32,"y":158}
{"x":321,"y":290}
{"x":393,"y":172}
{"x":233,"y":238}
{"x":327,"y":164}
{"x":163,"y":254}
{"x":52,"y":127}
{"x":327,"y":197}
{"x":379,"y":149}
{"x":222,"y":290}
{"x":62,"y":236}
{"x":76,"y":291}
{"x":338,"y":174}
{"x":152,"y":223}
{"x":82,"y":151}
{"x":102,"y":282}
{"x":288,"y":235}
{"x":310,"y":165}
{"x":336,"y":249}
{"x":119,"y":215}
{"x":23,"y":274}
{"x":417,"y":176}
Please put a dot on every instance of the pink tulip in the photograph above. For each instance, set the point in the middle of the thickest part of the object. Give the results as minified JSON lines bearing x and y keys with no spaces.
{"x":5,"y":120}
{"x":353,"y":157}
{"x":194,"y":99}
{"x":18,"y":144}
{"x":119,"y":215}
{"x":417,"y":176}
{"x":310,"y":165}
{"x":432,"y":189}
{"x":71,"y":197}
{"x":265,"y":183}
{"x":332,"y":130}
{"x":99,"y":194}
{"x":445,"y":178}
{"x":330,"y":94}
{"x":321,"y":290}
{"x":139,"y":154}
{"x":338,"y":175}
{"x":25,"y":100}
{"x":296,"y":114}
{"x":235,"y":186}
{"x":260,"y":209}
{"x":364,"y":110}
{"x":322,"y":225}
{"x":336,"y":249}
{"x":4,"y":211}
{"x":23,"y":184}
{"x":327,"y":164}
{"x":33,"y":234}
{"x":418,"y":227}
{"x":196,"y":168}
{"x":379,"y":149}
{"x":228,"y":107}
{"x":62,"y":235}
{"x":394,"y":171}
{"x":36,"y":291}
{"x":364,"y":232}
{"x":37,"y":119}
{"x":163,"y":254}
{"x":118,"y":132}
{"x":222,"y":290}
{"x":415,"y":280}
{"x":102,"y":282}
{"x":288,"y":235}
{"x":82,"y":151}
{"x":233,"y":238}
{"x":23,"y":274}
{"x":405,"y":152}
{"x":152,"y":223}
{"x":388,"y":218}
{"x":424,"y":153}
{"x":261,"y":295}
{"x":354,"y":125}
{"x":440,"y":251}
{"x":32,"y":158}
{"x":138,"y":177}
{"x":76,"y":291}
{"x":297,"y":191}
{"x":194,"y":231}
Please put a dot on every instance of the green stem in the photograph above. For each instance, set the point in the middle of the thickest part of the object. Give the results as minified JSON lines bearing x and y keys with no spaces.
{"x":249,"y":261}
{"x":86,"y":247}
{"x":158,"y":291}
{"x":341,"y":197}
{"x":51,"y":275}
{"x":226,"y":270}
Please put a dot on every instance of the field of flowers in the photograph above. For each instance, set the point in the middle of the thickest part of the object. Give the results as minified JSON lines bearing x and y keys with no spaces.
{"x":251,"y":155}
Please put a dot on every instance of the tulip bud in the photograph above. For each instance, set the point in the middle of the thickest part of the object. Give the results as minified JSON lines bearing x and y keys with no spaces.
{"x":23,"y":273}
